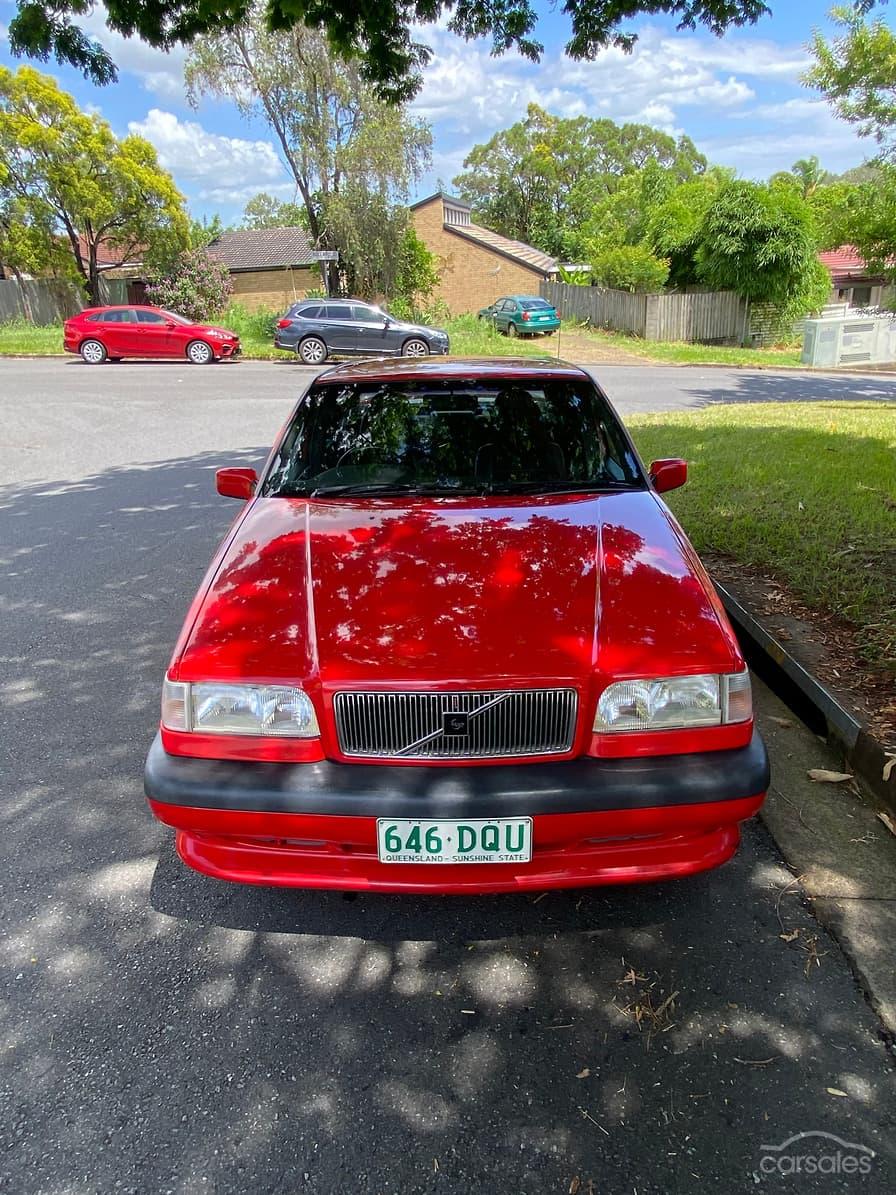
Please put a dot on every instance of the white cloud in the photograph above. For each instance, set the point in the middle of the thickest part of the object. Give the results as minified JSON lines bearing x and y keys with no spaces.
{"x":160,"y":72}
{"x":218,"y":166}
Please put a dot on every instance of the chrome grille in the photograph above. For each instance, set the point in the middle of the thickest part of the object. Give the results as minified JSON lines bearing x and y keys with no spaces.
{"x":400,"y":725}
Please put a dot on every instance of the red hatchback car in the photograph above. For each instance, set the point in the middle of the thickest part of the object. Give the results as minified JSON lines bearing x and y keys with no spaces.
{"x":455,"y":642}
{"x":110,"y":333}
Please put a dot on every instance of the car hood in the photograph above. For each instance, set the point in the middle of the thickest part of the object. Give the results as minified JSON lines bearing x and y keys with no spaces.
{"x":214,"y":330}
{"x":557,"y":589}
{"x":422,"y":329}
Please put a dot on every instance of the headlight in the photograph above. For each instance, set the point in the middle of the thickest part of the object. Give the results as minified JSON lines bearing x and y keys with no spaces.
{"x":211,"y":708}
{"x":674,"y":703}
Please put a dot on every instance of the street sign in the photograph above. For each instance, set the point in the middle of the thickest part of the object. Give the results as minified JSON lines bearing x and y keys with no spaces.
{"x":326,"y":255}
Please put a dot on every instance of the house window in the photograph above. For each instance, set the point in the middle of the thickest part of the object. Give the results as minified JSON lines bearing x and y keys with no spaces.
{"x":861,"y":296}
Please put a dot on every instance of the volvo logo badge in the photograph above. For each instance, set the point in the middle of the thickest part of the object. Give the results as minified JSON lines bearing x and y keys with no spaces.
{"x":455,"y":724}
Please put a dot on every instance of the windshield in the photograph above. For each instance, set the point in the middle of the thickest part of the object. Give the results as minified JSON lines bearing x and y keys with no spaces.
{"x":452,"y":437}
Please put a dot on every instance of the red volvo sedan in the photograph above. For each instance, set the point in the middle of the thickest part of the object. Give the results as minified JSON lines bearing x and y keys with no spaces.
{"x":110,"y":333}
{"x":455,"y":642}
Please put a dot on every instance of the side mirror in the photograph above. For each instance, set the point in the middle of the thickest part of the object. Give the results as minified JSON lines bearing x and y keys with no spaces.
{"x":668,"y":475}
{"x":236,"y":483}
{"x":169,"y":323}
{"x":386,"y":321}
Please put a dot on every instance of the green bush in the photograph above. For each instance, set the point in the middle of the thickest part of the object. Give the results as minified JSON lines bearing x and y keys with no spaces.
{"x":632,"y":268}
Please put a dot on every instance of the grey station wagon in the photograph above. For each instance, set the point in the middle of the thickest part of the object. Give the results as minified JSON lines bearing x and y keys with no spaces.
{"x":320,"y":328}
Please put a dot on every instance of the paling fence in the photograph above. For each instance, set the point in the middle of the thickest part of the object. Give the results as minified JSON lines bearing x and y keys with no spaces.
{"x":697,"y":316}
{"x":51,"y":300}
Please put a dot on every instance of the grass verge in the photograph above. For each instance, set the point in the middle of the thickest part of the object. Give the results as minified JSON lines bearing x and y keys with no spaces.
{"x":805,"y":492}
{"x":679,"y":353}
{"x":19,"y":337}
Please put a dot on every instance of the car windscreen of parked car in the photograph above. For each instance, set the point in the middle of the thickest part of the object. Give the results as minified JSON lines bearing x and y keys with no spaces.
{"x":453,"y":436}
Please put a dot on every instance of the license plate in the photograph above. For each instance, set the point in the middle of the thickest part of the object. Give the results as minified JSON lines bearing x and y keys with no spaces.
{"x":501,"y":840}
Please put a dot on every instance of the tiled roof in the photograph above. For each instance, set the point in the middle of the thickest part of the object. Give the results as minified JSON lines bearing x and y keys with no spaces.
{"x":109,"y":255}
{"x":527,"y":255}
{"x":845,"y":260}
{"x":847,"y":263}
{"x":263,"y":248}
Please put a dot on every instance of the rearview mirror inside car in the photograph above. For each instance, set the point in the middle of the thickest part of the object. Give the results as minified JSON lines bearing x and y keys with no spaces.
{"x":236,"y":483}
{"x":669,"y":474}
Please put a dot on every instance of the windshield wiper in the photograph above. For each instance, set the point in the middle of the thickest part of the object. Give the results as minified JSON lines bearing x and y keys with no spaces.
{"x":387,"y":488}
{"x":557,"y":487}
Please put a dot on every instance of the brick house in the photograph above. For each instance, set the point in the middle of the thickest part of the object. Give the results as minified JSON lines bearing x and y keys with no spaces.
{"x":477,"y":265}
{"x":270,"y":268}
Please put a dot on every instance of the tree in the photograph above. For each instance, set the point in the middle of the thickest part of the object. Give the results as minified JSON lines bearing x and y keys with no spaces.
{"x":204,"y":231}
{"x":337,"y":139}
{"x":630,"y":267}
{"x":549,"y":180}
{"x":870,"y":223}
{"x":378,"y":34}
{"x":856,"y":73}
{"x":72,"y":177}
{"x":673,"y":226}
{"x":759,"y":241}
{"x":194,"y":285}
{"x":264,"y":211}
{"x":805,"y":175}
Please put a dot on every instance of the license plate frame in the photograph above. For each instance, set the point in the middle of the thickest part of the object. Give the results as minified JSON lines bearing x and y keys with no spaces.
{"x":492,"y":847}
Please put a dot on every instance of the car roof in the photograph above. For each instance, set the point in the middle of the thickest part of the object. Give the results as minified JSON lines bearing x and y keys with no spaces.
{"x":381,"y":369}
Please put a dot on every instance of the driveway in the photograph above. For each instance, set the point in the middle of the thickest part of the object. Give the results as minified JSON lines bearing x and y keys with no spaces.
{"x":164,"y":1032}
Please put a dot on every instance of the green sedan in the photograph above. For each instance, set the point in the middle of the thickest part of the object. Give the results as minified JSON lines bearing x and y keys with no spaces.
{"x":522,"y":315}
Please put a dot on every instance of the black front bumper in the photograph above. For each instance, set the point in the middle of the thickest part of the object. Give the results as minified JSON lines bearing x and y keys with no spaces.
{"x":511,"y":790}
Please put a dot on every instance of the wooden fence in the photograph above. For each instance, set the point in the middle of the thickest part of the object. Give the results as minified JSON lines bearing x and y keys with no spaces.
{"x":52,"y":300}
{"x":697,"y":317}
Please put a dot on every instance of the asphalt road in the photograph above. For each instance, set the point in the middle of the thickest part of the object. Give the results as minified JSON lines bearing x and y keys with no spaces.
{"x":164,"y":1032}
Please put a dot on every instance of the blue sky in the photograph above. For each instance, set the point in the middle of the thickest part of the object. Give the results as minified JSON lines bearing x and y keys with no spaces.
{"x":738,"y":97}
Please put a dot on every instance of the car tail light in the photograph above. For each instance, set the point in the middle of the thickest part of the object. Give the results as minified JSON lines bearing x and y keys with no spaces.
{"x":283,"y":323}
{"x":526,"y":315}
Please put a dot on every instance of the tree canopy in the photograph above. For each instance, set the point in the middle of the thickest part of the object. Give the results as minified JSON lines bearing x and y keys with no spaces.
{"x":560,"y":183}
{"x":341,"y":143}
{"x":856,"y":72}
{"x":68,"y":180}
{"x":758,"y":240}
{"x":379,"y":34}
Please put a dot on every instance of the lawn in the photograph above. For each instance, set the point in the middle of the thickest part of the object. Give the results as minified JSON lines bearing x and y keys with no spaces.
{"x":804,"y":492}
{"x":679,"y":353}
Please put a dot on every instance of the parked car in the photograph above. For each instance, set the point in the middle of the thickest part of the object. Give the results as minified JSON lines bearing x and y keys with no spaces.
{"x":455,"y":642}
{"x":320,"y":328}
{"x":522,"y":315}
{"x":110,"y":333}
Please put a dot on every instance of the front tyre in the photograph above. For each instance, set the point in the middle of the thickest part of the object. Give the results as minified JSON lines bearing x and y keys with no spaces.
{"x":415,"y":348}
{"x":200,"y":353}
{"x":92,"y":352}
{"x":312,"y":350}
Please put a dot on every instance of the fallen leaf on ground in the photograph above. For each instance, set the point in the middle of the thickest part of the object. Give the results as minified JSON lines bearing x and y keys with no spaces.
{"x":823,"y":774}
{"x":584,"y":1073}
{"x":791,"y":936}
{"x":785,"y":722}
{"x":837,"y":1091}
{"x":888,"y":822}
{"x":889,"y":766}
{"x":575,"y":1185}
